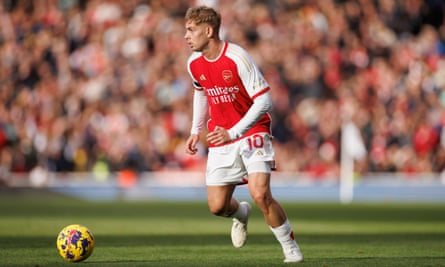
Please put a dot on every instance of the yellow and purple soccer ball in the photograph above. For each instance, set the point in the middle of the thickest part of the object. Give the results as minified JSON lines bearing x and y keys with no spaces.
{"x":75,"y":243}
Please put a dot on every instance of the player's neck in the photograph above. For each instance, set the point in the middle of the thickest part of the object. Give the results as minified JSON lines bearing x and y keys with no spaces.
{"x":213,"y":49}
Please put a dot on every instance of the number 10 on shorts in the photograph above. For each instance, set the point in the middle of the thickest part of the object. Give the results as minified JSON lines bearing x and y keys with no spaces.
{"x":255,"y":141}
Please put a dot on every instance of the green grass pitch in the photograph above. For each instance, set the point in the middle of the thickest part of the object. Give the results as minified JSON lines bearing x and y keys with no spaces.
{"x":186,"y":234}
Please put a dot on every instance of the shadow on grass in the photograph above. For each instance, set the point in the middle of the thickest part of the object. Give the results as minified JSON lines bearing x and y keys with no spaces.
{"x":219,"y":239}
{"x":216,"y":250}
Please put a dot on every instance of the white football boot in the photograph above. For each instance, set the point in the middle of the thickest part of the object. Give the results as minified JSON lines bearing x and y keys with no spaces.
{"x":239,"y":228}
{"x":293,"y":254}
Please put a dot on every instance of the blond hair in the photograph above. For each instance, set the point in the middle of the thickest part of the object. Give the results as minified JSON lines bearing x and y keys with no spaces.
{"x":204,"y":14}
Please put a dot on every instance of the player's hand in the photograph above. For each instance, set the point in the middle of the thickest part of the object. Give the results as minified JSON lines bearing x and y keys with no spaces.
{"x":190,"y":145}
{"x":219,"y":136}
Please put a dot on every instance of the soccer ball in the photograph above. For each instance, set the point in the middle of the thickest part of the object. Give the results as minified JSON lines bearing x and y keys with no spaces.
{"x":75,"y":243}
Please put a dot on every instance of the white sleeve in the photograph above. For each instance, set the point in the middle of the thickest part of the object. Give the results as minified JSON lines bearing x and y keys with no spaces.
{"x":249,"y":73}
{"x":200,"y":109}
{"x":261,"y":105}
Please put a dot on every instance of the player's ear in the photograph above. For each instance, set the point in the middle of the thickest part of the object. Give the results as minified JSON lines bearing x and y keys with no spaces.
{"x":209,"y":31}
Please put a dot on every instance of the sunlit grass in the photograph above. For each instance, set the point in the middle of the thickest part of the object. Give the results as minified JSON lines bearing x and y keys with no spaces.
{"x":186,"y":234}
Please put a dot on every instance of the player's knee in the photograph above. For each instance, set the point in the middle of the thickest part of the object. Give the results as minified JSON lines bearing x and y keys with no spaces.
{"x":218,"y":211}
{"x":262,"y":200}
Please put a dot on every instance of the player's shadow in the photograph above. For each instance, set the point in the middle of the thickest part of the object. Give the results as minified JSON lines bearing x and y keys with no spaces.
{"x":199,"y":239}
{"x":264,"y":239}
{"x":178,"y":240}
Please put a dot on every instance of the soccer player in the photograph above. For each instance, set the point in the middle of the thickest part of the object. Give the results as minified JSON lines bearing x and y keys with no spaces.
{"x":230,"y":89}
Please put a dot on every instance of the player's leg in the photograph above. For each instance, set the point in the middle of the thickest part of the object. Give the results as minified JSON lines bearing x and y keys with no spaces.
{"x":221,"y":203}
{"x":259,"y":189}
{"x":225,"y":169}
{"x":274,"y":214}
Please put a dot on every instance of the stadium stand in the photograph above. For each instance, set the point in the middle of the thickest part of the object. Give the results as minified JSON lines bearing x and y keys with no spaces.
{"x":102,"y":84}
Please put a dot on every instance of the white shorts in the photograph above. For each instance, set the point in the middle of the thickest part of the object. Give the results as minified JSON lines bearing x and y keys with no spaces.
{"x":229,"y":164}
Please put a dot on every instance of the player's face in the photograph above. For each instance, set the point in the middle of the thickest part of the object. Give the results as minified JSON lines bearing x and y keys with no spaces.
{"x":197,"y":36}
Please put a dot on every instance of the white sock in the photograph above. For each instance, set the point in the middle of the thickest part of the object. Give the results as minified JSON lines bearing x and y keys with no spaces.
{"x":284,"y":235}
{"x":240,"y":213}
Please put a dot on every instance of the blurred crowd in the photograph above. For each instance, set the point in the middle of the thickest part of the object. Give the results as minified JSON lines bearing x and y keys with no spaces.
{"x":102,"y":85}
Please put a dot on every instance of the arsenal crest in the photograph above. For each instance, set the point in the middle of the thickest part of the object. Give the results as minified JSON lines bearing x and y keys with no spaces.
{"x":227,"y":76}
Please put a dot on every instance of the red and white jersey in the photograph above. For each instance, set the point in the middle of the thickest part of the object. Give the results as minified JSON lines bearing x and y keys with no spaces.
{"x":231,"y":83}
